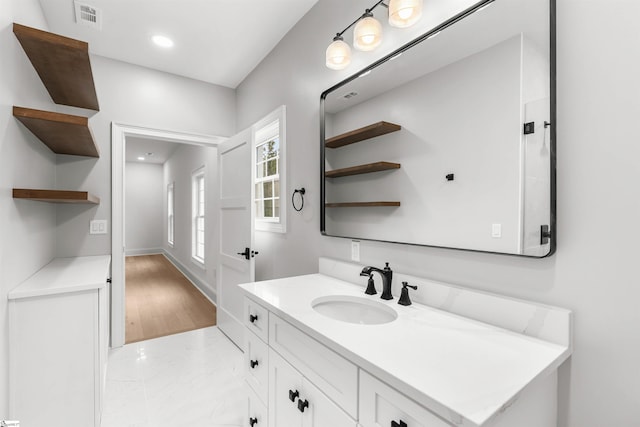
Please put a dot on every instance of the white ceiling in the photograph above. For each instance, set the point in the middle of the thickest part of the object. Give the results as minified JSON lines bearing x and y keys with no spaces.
{"x":160,"y":151}
{"x":216,"y":41}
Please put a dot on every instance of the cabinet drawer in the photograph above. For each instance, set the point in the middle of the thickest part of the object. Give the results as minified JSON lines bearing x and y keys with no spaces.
{"x":256,"y":411}
{"x":256,"y":362}
{"x":380,"y":405}
{"x":334,"y":375}
{"x":256,"y":318}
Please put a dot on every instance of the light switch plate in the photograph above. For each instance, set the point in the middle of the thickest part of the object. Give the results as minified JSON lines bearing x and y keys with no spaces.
{"x":496,"y":230}
{"x":355,"y":250}
{"x":98,"y":226}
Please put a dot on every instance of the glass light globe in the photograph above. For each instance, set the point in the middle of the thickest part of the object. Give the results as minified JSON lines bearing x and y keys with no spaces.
{"x":367,"y":35}
{"x":338,"y":55}
{"x":404,"y":13}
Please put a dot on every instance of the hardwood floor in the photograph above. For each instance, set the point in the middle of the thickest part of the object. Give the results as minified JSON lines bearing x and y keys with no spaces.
{"x":160,"y":301}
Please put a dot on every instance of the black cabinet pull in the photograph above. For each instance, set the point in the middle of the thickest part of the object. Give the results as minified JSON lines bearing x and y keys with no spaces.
{"x":304,"y":404}
{"x":293,"y":395}
{"x":253,"y":363}
{"x":401,"y":424}
{"x":253,"y":318}
{"x":253,"y":421}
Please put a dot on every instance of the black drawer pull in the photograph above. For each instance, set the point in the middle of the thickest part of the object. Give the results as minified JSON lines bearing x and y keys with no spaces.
{"x":253,"y":421}
{"x":253,"y":363}
{"x":293,"y":395}
{"x":401,"y":424}
{"x":302,"y":404}
{"x":253,"y":318}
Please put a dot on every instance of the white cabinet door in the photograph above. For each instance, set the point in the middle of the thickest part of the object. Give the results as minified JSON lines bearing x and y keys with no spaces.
{"x":285,"y":386}
{"x":296,"y":402}
{"x":381,"y":406}
{"x":322,"y":412}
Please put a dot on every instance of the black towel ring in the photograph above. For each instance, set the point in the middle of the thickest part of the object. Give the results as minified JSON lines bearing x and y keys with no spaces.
{"x":301,"y":191}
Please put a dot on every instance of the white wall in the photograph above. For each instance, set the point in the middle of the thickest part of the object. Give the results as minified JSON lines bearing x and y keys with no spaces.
{"x":144,"y":207}
{"x":133,"y":95}
{"x":177,"y":170}
{"x":27,"y":228}
{"x":593,"y":271}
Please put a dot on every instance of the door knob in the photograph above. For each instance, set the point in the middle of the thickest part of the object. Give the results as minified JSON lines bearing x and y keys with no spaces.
{"x":253,"y":421}
{"x":253,"y":363}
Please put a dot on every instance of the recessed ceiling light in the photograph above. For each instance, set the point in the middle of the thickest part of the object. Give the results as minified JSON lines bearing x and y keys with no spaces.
{"x":140,"y":158}
{"x":162,"y":41}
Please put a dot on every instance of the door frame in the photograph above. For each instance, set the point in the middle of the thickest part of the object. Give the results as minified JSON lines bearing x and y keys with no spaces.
{"x":119,"y":134}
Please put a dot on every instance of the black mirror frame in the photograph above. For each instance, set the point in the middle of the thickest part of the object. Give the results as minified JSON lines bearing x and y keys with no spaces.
{"x":552,"y":145}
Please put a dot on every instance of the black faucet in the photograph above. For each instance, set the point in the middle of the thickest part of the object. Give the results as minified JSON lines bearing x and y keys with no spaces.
{"x":386,"y":274}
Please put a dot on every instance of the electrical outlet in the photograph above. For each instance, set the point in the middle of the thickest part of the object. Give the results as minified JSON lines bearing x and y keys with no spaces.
{"x":355,"y":250}
{"x":98,"y":226}
{"x":496,"y":230}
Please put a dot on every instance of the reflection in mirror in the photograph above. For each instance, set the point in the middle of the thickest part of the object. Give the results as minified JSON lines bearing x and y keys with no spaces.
{"x":449,"y":141}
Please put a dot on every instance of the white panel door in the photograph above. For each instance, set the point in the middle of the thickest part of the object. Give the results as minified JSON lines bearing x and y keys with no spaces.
{"x":236,"y":232}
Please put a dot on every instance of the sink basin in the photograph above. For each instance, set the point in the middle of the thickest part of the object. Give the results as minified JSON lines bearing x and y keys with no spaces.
{"x":354,"y":309}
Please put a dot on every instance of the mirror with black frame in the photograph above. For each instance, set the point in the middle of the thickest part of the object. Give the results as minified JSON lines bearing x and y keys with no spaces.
{"x":450,"y":140}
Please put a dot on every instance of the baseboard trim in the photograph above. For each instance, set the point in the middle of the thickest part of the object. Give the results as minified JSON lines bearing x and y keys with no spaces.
{"x":196,"y":281}
{"x":148,"y":251}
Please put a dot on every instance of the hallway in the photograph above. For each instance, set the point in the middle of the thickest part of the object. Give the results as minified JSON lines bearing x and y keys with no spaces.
{"x":161,"y":301}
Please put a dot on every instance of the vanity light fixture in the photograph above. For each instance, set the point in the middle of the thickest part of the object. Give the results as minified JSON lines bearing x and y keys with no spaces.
{"x":338,"y":54}
{"x":367,"y":34}
{"x":404,"y":13}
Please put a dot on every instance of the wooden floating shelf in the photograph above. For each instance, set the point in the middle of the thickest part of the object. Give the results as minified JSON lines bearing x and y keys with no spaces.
{"x":361,"y":204}
{"x":62,"y":133}
{"x":367,"y":132}
{"x":361,"y":169}
{"x":63,"y":66}
{"x":56,"y":196}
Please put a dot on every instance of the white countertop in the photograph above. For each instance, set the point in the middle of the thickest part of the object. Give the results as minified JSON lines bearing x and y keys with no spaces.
{"x":63,"y":275}
{"x":460,"y":368}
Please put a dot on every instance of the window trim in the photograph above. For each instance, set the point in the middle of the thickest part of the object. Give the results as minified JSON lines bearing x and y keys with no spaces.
{"x":273,"y":225}
{"x":171,"y":213}
{"x":196,"y":175}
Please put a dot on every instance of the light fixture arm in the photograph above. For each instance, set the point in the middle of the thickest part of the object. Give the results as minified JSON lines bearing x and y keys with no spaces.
{"x":367,"y":12}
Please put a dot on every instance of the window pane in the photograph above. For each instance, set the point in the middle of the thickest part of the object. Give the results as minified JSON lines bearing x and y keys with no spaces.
{"x":268,"y":189}
{"x":272,"y":167}
{"x":276,"y":188}
{"x":258,"y":194}
{"x":268,"y":208}
{"x":259,"y":209}
{"x":277,"y":208}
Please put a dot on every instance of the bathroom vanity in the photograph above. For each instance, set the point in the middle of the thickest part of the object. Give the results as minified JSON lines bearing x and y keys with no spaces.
{"x":319,"y":352}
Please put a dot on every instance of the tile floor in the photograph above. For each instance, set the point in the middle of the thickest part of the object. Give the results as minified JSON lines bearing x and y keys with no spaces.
{"x":190,"y":379}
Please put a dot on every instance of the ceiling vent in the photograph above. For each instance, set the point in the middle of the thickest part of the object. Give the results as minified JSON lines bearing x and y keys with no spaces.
{"x":88,"y":15}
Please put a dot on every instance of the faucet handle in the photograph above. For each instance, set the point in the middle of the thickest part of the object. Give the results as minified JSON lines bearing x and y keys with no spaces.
{"x":371,"y":287}
{"x":404,"y":294}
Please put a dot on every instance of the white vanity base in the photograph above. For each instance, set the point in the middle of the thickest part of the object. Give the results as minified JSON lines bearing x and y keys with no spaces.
{"x":426,"y":368}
